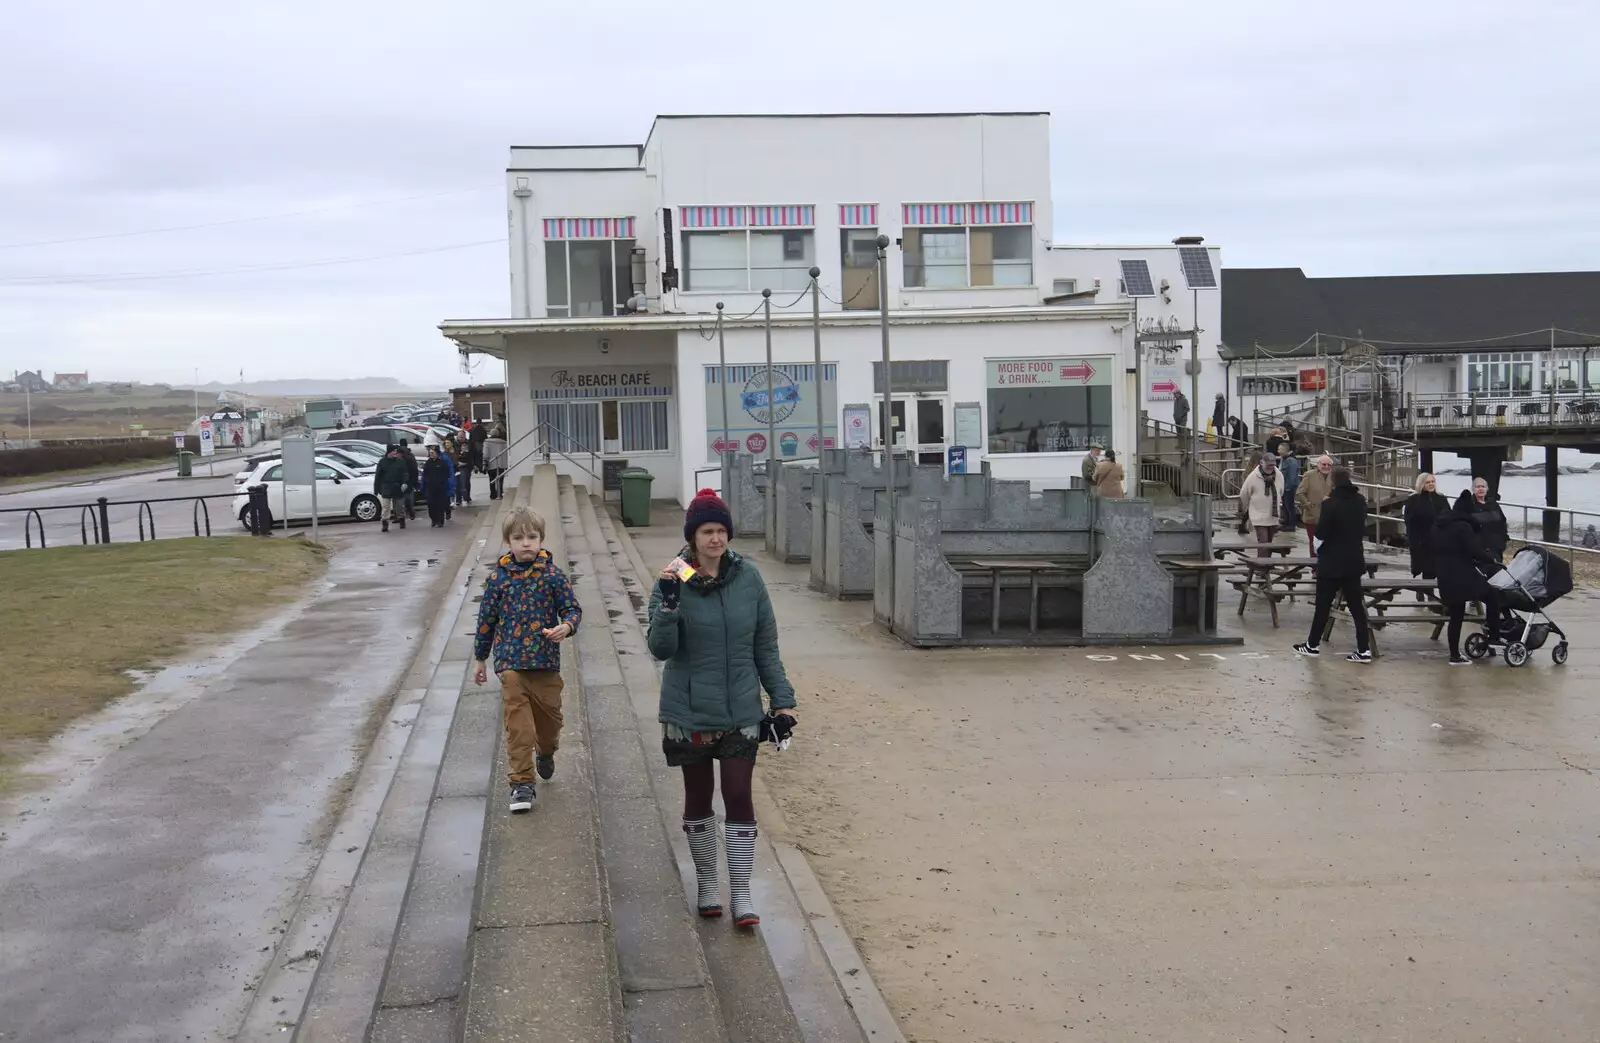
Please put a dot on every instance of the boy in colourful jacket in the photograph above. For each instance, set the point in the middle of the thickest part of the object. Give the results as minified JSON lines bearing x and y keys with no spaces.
{"x":527,"y":610}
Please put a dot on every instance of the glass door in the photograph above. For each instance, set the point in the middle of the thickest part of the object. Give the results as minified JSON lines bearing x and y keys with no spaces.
{"x":925,"y":438}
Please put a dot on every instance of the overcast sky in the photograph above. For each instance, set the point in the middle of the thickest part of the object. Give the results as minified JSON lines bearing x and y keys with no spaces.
{"x":1395,"y":137}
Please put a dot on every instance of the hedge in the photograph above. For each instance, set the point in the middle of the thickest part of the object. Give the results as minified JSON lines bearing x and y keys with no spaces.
{"x":68,"y":456}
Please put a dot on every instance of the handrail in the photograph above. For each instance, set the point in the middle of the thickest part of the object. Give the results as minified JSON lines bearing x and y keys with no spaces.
{"x":32,"y":516}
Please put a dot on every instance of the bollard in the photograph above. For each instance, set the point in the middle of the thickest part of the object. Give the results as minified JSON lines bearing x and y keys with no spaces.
{"x":260,"y":514}
{"x":105,"y":520}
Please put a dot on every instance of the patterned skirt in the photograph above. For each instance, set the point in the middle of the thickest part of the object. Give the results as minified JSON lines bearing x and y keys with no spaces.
{"x":683,"y":747}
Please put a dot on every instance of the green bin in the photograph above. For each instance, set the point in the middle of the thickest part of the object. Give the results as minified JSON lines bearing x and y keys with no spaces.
{"x":185,"y":464}
{"x":635,"y":482}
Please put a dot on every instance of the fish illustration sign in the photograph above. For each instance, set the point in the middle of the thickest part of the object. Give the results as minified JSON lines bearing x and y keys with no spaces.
{"x":786,"y":397}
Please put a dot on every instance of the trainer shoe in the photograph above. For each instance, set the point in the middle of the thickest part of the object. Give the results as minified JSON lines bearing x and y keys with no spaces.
{"x":523,"y":797}
{"x":1305,"y":649}
{"x":1460,"y":660}
{"x":1359,"y":657}
{"x":546,"y":764}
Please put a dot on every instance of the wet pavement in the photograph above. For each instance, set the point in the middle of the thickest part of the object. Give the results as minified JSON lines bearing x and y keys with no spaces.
{"x":144,"y":883}
{"x":66,"y":523}
{"x":1172,"y":844}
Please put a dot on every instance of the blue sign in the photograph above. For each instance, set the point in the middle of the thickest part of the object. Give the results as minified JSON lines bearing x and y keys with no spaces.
{"x":958,"y":459}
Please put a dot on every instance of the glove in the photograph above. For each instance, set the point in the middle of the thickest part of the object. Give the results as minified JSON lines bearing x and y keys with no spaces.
{"x":670,"y":589}
{"x":776,"y":728}
{"x":405,"y":488}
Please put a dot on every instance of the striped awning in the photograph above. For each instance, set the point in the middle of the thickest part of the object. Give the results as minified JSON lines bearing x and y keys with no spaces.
{"x":588,"y":228}
{"x":791,"y":216}
{"x":926,"y":215}
{"x":858,"y":215}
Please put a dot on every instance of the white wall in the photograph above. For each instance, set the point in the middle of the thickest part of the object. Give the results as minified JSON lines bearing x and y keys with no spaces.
{"x":967,"y":347}
{"x":1085,"y":264}
{"x":565,"y":193}
{"x":826,"y":161}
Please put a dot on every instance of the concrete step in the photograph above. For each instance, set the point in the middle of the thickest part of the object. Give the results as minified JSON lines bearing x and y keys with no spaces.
{"x":541,"y":962}
{"x":327,"y":981}
{"x":785,"y":981}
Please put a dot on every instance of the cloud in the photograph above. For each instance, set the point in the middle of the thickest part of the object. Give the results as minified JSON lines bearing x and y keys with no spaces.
{"x":1360,"y":138}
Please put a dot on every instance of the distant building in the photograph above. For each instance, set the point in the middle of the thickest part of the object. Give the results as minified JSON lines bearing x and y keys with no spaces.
{"x":72,"y":382}
{"x":483,"y":402}
{"x":323,"y":414}
{"x":33,"y":382}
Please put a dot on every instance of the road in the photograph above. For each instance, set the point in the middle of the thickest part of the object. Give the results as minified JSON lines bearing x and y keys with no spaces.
{"x":141,"y":888}
{"x":65,"y":522}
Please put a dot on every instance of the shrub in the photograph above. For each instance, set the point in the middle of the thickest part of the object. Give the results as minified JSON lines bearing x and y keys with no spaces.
{"x":70,"y":455}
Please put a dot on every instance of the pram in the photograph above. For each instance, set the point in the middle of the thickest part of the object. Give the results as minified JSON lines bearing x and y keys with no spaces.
{"x":1534,"y":579}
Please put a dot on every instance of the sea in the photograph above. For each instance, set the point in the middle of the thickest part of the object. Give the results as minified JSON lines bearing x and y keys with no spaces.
{"x":1579,"y":493}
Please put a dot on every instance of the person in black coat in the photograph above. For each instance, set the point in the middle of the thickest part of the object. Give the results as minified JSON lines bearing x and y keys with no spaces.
{"x":1464,"y":564}
{"x":436,"y":486}
{"x":1341,"y":563}
{"x":409,"y":458}
{"x":1491,"y":519}
{"x":1422,"y":512}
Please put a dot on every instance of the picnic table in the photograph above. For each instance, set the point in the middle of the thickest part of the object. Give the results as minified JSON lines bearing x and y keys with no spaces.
{"x":1277,"y":579}
{"x":1203,"y":569}
{"x":1223,"y":545}
{"x":1381,"y":596}
{"x":999,"y":568}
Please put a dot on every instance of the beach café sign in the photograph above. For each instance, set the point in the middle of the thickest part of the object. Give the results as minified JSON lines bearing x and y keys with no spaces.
{"x":642,"y":381}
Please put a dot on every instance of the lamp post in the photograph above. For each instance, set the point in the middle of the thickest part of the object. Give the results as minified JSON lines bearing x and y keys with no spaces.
{"x":772,"y":440}
{"x":722,"y":382}
{"x":888,"y":408}
{"x":816,"y":339}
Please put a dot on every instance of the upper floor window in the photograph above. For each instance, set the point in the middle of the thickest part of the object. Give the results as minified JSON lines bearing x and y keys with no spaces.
{"x":967,"y":244}
{"x":588,"y":266}
{"x":858,"y":256}
{"x":747,"y":248}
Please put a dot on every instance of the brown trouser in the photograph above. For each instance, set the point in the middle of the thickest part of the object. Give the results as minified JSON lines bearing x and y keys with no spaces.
{"x":532,"y":701}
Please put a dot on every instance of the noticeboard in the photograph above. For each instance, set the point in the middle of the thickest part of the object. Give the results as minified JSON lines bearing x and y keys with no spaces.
{"x":611,"y":474}
{"x":208,"y":445}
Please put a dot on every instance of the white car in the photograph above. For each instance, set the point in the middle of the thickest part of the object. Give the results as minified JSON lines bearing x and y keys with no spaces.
{"x":342,"y":492}
{"x":353,"y":461}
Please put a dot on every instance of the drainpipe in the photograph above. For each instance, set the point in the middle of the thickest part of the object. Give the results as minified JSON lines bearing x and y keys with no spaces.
{"x":522,"y":192}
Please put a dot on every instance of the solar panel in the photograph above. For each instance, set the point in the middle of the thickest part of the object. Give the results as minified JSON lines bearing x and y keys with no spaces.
{"x":1136,"y":279}
{"x":1197,"y":271}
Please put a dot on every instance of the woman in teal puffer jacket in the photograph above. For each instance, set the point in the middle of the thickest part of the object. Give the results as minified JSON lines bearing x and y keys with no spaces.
{"x":719,"y":638}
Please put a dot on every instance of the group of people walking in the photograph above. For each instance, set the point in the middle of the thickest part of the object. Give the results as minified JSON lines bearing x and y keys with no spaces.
{"x":443,"y":480}
{"x":711,"y":623}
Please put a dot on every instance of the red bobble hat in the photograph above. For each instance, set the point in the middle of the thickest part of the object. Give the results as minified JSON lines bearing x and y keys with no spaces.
{"x":706,"y":507}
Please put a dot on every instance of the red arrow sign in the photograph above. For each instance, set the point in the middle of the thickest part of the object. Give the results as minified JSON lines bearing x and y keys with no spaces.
{"x":1164,"y":387}
{"x":1080,"y":371}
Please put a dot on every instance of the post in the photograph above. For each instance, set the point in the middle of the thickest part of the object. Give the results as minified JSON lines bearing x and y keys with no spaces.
{"x":1194,"y":401}
{"x":722,"y":382}
{"x":314,"y":495}
{"x":105,"y":520}
{"x":1552,"y":498}
{"x":1138,"y":405}
{"x":772,"y":440}
{"x":27,"y":394}
{"x":816,"y":340}
{"x":888,"y":406}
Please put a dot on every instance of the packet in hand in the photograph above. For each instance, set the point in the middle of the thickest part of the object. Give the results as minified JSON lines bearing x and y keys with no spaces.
{"x":682,"y":569}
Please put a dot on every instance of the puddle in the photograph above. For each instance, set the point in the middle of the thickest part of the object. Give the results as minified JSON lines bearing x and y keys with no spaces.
{"x":411,"y":565}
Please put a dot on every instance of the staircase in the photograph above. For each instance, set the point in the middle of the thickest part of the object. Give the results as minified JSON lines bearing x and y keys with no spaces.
{"x":435,"y":915}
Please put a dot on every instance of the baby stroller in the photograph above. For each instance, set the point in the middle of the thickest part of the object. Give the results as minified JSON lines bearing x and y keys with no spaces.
{"x":1533,"y":580}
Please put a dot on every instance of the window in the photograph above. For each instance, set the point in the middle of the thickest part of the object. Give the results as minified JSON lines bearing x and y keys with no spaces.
{"x":644,"y":426}
{"x":945,"y":257}
{"x":1061,"y":287}
{"x":1274,"y":385}
{"x":587,"y":278}
{"x":1049,"y":405}
{"x":571,"y":427}
{"x":858,"y":257}
{"x":1505,"y":373}
{"x":274,"y":475}
{"x":482,"y":411}
{"x":749,"y":259}
{"x":326,"y":473}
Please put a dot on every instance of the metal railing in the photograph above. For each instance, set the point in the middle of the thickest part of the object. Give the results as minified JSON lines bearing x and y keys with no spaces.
{"x":548,"y":449}
{"x":1563,"y":409}
{"x":94,"y":519}
{"x":1397,"y":495}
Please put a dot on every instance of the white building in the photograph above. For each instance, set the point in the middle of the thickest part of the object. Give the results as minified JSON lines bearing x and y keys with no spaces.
{"x":621,"y":254}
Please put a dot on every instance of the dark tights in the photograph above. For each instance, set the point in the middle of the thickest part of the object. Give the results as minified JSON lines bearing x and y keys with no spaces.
{"x":1458,"y":612}
{"x":700,"y":783}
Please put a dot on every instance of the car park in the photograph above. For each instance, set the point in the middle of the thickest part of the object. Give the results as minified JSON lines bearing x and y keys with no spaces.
{"x":341,"y":492}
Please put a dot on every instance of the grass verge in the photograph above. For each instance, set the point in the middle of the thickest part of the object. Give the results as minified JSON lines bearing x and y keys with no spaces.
{"x":76,"y":619}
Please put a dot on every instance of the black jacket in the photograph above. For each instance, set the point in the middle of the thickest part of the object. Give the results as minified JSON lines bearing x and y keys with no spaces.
{"x":1491,"y":522}
{"x":1342,"y":528}
{"x":1219,"y":416}
{"x":437,"y":485}
{"x":1423,"y":511}
{"x":1463,"y":560}
{"x":391,"y":476}
{"x":409,"y":458}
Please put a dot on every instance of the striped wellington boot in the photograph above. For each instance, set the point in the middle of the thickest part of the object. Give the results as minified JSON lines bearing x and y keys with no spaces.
{"x":703,"y":846}
{"x":741,"y":863}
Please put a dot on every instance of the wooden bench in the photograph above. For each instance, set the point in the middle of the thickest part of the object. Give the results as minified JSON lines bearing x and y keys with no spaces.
{"x":1380,"y":593}
{"x":1277,"y":579}
{"x":998,"y":568}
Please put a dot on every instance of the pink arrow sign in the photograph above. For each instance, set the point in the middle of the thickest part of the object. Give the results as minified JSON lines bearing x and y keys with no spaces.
{"x":1079,"y":371}
{"x":1164,"y":387}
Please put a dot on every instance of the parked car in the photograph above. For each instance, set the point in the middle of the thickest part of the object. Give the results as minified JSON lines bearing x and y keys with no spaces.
{"x":341,"y":493}
{"x":369,"y":452}
{"x":386,"y":435}
{"x":362,"y":466}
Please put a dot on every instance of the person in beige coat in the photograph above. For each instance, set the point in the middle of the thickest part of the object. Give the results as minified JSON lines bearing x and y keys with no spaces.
{"x":1261,"y":501}
{"x":1315,"y":486}
{"x":1108,"y":476}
